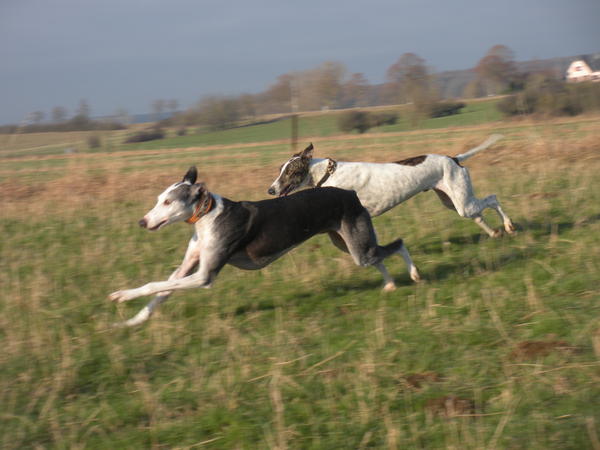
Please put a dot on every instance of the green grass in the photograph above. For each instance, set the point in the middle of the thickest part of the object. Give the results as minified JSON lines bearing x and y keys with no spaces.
{"x":307,"y":353}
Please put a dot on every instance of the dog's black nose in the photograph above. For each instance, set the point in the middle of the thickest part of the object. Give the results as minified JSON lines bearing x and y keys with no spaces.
{"x":271,"y":191}
{"x":143,"y":223}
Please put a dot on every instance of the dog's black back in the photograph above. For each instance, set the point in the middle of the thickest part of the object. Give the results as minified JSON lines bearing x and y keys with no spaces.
{"x":267,"y":228}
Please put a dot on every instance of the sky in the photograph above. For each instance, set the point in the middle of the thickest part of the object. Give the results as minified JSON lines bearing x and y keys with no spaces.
{"x":124,"y":54}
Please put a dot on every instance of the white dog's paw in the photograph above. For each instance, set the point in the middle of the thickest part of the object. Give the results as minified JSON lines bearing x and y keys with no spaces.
{"x":415,"y":276}
{"x":390,"y":286}
{"x":121,"y":296}
{"x":510,"y":228}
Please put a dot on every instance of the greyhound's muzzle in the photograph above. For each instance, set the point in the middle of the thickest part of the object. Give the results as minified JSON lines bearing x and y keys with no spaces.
{"x":142,"y":223}
{"x":271,"y":191}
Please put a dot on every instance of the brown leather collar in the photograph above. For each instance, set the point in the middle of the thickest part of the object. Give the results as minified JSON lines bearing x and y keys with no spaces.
{"x":331,"y":166}
{"x":202,"y":208}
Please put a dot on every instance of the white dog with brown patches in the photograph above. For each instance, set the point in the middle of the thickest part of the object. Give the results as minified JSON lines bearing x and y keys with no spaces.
{"x":381,"y":186}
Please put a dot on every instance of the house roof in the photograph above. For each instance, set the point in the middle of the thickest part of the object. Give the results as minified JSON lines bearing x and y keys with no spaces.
{"x":593,"y":61}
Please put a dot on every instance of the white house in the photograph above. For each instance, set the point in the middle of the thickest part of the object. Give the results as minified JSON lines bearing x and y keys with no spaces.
{"x":585,"y":68}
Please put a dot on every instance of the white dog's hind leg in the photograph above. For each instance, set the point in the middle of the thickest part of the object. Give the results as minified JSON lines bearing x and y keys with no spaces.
{"x":388,"y":282}
{"x":492,"y":202}
{"x":412,"y":269}
{"x":485,"y":227}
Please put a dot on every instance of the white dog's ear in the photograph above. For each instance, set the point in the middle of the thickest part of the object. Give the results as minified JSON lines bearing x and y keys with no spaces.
{"x":191,"y":175}
{"x":308,"y":151}
{"x":196,"y":191}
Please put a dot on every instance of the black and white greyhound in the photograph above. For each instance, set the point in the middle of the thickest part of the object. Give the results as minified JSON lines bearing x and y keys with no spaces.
{"x":251,"y":235}
{"x":381,"y":186}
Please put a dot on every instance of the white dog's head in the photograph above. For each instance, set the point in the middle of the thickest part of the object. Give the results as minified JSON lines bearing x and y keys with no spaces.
{"x":293,"y":174}
{"x":177,"y":203}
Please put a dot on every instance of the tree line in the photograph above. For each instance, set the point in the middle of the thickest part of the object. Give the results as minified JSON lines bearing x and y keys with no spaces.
{"x":330,"y":85}
{"x":59,"y":120}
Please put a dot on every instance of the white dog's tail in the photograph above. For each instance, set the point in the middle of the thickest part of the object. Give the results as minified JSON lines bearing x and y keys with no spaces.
{"x":488,"y":143}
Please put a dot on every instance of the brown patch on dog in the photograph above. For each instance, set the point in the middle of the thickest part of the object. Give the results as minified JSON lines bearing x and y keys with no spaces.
{"x":450,"y":406}
{"x":535,"y":349}
{"x":414,"y":161}
{"x":416,"y":380}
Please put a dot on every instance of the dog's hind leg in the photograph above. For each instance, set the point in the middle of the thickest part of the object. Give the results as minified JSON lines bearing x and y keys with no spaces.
{"x":361,"y":241}
{"x":412,"y":269}
{"x":456,"y":192}
{"x":388,"y":282}
{"x":492,"y":202}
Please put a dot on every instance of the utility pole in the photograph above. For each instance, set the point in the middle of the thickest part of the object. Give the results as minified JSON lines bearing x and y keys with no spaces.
{"x":294,"y":107}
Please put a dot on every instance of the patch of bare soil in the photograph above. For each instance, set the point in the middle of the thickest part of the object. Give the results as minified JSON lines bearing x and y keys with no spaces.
{"x":416,"y":380}
{"x":536,"y":349}
{"x":449,"y":406}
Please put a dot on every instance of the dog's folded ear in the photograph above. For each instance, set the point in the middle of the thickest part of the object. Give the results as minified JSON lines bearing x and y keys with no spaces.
{"x":191,"y":175}
{"x":196,"y":191}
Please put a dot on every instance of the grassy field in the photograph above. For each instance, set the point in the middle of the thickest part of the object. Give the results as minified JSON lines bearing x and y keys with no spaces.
{"x":499,"y":347}
{"x":311,"y":125}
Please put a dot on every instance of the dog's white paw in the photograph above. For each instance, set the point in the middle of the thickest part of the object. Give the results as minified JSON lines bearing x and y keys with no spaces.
{"x":389,"y":287}
{"x":121,"y":296}
{"x":415,"y":276}
{"x":510,"y":227}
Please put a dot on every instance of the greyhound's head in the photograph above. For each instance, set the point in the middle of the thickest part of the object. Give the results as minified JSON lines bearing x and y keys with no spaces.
{"x":293,"y":174}
{"x":177,"y":202}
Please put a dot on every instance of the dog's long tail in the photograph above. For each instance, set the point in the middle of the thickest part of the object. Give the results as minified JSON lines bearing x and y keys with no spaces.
{"x":488,"y":143}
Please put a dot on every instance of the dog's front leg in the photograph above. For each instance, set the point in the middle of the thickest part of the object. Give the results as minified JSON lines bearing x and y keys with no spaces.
{"x":190,"y":260}
{"x":199,"y":279}
{"x":186,"y":267}
{"x":189,"y":263}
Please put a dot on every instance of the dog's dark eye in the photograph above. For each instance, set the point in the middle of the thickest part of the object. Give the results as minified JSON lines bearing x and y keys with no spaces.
{"x":167,"y":202}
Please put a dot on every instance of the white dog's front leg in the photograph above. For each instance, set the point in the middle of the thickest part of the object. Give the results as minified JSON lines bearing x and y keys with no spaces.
{"x":199,"y":279}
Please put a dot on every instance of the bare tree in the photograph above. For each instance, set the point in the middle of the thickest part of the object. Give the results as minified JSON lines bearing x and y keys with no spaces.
{"x":83,"y":109}
{"x":277,"y":98}
{"x":122,"y":116}
{"x":474,"y":89}
{"x":246,"y":105}
{"x":409,"y":77}
{"x":328,"y":83}
{"x":355,"y":91}
{"x":172,"y":105}
{"x":158,"y":107}
{"x":219,"y":113}
{"x":37,"y":117}
{"x":497,"y":68}
{"x":81,"y":120}
{"x":59,"y":114}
